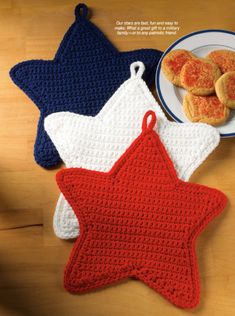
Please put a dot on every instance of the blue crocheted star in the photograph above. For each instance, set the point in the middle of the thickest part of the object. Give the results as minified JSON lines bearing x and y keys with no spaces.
{"x":86,"y":71}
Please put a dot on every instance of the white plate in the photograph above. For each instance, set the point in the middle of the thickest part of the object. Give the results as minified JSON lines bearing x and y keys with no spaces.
{"x":200,"y":43}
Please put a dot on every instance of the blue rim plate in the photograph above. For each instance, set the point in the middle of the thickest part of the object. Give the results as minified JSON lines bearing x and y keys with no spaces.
{"x":200,"y":43}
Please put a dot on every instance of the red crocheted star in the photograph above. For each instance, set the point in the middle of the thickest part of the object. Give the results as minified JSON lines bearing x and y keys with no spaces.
{"x":138,"y":220}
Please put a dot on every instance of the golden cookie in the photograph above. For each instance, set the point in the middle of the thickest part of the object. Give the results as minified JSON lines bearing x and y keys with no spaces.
{"x":173,"y":62}
{"x":199,"y":76}
{"x":225,"y":89}
{"x":207,"y":109}
{"x":225,"y":59}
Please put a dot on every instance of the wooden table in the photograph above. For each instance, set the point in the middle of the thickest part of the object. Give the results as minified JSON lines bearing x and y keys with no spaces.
{"x":31,"y":257}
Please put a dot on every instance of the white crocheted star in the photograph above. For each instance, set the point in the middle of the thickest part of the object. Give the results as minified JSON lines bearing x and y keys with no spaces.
{"x":96,"y":143}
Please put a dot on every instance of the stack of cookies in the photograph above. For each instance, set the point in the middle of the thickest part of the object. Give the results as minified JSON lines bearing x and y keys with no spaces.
{"x":210,"y":83}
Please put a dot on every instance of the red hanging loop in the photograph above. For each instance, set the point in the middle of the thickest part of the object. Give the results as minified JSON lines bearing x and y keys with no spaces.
{"x":146,"y":124}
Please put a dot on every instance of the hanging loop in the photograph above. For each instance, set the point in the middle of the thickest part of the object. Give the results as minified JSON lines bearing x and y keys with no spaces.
{"x":147,"y":124}
{"x":137,"y":69}
{"x":81,"y":10}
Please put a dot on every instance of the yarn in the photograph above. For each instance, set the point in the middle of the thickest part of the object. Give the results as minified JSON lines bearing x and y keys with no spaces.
{"x":138,"y":220}
{"x":95,"y":143}
{"x":86,"y":71}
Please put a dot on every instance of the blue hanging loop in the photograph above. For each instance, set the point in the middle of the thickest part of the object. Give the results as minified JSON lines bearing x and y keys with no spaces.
{"x":81,"y":10}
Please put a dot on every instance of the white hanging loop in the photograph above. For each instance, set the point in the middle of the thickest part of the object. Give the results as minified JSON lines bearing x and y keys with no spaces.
{"x":137,"y":69}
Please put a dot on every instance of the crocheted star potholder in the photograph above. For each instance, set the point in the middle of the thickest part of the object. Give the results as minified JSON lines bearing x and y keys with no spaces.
{"x":95,"y":143}
{"x":138,"y":220}
{"x":86,"y":71}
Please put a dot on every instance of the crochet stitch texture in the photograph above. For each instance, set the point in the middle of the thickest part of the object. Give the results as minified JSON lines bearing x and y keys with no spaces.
{"x":138,"y":220}
{"x":95,"y":143}
{"x":85,"y":72}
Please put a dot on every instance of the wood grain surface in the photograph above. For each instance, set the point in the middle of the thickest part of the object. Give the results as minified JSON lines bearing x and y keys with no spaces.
{"x":32,"y":259}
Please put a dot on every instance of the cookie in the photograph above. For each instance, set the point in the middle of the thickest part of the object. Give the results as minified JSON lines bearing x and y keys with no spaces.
{"x":205,"y":109}
{"x":173,"y":62}
{"x":198,"y":76}
{"x":225,"y":89}
{"x":225,"y":59}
